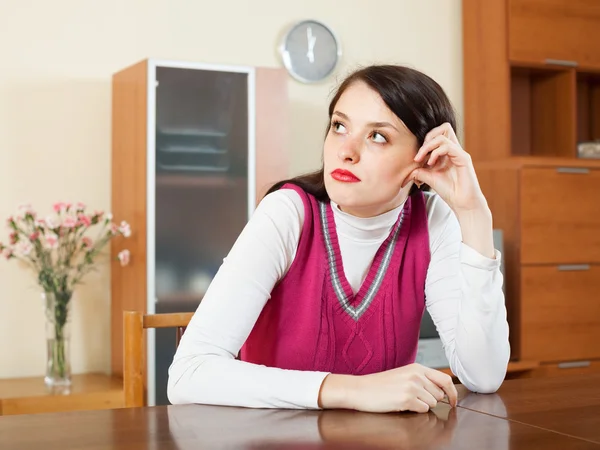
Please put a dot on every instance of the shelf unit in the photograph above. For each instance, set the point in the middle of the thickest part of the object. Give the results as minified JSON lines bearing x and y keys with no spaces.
{"x":531,"y":95}
{"x":193,"y":151}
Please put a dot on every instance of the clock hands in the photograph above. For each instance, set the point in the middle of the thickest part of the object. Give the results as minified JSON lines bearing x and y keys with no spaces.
{"x":311,"y":45}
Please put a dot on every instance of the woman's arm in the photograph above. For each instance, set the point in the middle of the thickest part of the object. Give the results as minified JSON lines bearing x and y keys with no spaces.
{"x":204,"y":369}
{"x":465,"y":299}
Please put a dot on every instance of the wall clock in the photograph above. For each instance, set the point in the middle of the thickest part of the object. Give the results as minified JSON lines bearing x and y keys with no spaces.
{"x":310,"y":51}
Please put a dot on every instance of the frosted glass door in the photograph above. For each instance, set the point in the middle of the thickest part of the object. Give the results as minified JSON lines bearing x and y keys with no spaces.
{"x":201,"y":188}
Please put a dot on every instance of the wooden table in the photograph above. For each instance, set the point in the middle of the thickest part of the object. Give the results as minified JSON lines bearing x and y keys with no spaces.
{"x":480,"y":423}
{"x":88,"y":391}
{"x":569,"y":405}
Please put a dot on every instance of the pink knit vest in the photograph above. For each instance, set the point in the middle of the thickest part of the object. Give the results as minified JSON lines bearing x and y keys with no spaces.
{"x":313,"y":321}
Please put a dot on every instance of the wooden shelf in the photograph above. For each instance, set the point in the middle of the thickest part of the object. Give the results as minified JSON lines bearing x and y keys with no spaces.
{"x":214,"y":181}
{"x":88,"y":391}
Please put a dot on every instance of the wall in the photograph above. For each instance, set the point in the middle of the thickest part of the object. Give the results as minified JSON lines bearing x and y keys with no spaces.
{"x":57,"y":60}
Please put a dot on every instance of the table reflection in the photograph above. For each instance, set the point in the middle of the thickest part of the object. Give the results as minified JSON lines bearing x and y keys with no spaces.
{"x":194,"y":426}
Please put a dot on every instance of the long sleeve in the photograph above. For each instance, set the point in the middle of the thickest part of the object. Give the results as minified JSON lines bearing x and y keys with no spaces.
{"x":465,"y":299}
{"x":204,"y":369}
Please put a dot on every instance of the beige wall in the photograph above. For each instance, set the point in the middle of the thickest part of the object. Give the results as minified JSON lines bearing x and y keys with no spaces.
{"x":56,"y":62}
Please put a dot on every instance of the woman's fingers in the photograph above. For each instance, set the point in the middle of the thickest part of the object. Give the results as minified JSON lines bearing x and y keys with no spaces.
{"x":440,"y":146}
{"x":420,"y":406}
{"x":433,"y":389}
{"x":444,"y":129}
{"x":445,"y":383}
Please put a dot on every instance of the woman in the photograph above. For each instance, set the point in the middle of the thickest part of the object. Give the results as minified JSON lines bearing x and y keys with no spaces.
{"x":324,"y":290}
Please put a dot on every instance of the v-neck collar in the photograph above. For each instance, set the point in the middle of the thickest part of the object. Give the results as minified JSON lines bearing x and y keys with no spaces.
{"x":355,"y":305}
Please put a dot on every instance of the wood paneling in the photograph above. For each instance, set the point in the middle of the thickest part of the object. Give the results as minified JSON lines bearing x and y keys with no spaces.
{"x":486,"y":79}
{"x":553,"y":123}
{"x":588,"y":107}
{"x":560,"y":313}
{"x":554,"y":29}
{"x":560,"y":216}
{"x":543,"y":108}
{"x":129,"y":127}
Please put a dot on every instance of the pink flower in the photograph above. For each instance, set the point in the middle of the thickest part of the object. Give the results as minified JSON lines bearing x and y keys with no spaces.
{"x":124,"y":256}
{"x":13,"y":238}
{"x":125,"y":229}
{"x":7,"y":253}
{"x":41,"y":223}
{"x":84,"y":220}
{"x":87,"y":242}
{"x":80,"y":206}
{"x":114,"y":229}
{"x":60,"y":207}
{"x":70,"y":222}
{"x":10,"y":221}
{"x":34,"y":236}
{"x":51,"y":223}
{"x":25,"y":248}
{"x":51,"y":241}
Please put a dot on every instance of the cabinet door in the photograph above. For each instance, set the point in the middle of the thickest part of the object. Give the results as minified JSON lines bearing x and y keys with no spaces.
{"x":563,"y":30}
{"x":560,"y":313}
{"x":560,"y":216}
{"x":202,"y":197}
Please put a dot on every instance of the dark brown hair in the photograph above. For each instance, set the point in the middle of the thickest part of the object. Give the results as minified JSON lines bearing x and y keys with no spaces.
{"x":415,"y":98}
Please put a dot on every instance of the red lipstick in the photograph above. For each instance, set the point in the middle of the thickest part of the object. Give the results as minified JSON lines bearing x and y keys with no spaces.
{"x":345,"y":176}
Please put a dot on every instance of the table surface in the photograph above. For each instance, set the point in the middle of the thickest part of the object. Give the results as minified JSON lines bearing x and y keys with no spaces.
{"x":480,"y":422}
{"x":568,"y":405}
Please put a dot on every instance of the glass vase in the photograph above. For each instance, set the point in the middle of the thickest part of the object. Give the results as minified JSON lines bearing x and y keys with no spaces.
{"x":58,"y":335}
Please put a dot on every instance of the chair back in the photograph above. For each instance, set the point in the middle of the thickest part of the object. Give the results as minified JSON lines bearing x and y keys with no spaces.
{"x":134,"y":352}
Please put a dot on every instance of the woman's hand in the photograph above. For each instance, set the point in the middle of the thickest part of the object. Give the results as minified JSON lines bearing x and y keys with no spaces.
{"x":449,"y":171}
{"x":410,"y":388}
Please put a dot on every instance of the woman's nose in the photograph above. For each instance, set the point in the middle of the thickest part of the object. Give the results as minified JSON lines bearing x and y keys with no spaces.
{"x":349,"y":151}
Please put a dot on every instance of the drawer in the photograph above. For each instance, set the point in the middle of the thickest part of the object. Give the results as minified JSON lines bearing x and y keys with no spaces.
{"x":560,"y":313}
{"x":582,"y":367}
{"x":560,"y":215}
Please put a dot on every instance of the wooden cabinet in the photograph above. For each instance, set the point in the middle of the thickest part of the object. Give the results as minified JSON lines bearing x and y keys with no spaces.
{"x":532,"y":95}
{"x":194,"y":147}
{"x":563,"y":32}
{"x":560,"y":215}
{"x":560,"y":312}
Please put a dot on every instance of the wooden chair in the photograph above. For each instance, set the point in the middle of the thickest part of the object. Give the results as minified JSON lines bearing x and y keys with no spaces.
{"x":134,"y":324}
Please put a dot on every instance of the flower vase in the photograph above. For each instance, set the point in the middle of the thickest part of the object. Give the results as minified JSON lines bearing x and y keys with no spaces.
{"x":58,"y":362}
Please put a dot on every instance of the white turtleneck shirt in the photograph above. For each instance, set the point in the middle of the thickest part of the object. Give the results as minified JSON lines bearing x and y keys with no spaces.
{"x":463,"y":295}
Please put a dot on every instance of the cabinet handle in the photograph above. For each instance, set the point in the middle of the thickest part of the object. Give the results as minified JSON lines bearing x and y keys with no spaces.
{"x":573,"y":364}
{"x":561,"y":62}
{"x":572,"y":170}
{"x":573,"y":267}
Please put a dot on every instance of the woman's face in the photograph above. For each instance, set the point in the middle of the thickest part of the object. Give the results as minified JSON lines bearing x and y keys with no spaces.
{"x":368,"y":154}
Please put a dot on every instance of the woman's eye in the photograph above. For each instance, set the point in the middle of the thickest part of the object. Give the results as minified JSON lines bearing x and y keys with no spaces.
{"x":379,"y":138}
{"x":338,"y":127}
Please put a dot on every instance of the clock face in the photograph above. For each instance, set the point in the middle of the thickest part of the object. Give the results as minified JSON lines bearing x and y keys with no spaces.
{"x":310,"y":51}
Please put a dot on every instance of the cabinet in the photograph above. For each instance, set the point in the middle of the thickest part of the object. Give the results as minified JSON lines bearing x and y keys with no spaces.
{"x":531,"y":95}
{"x":194,"y":148}
{"x":554,"y":31}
